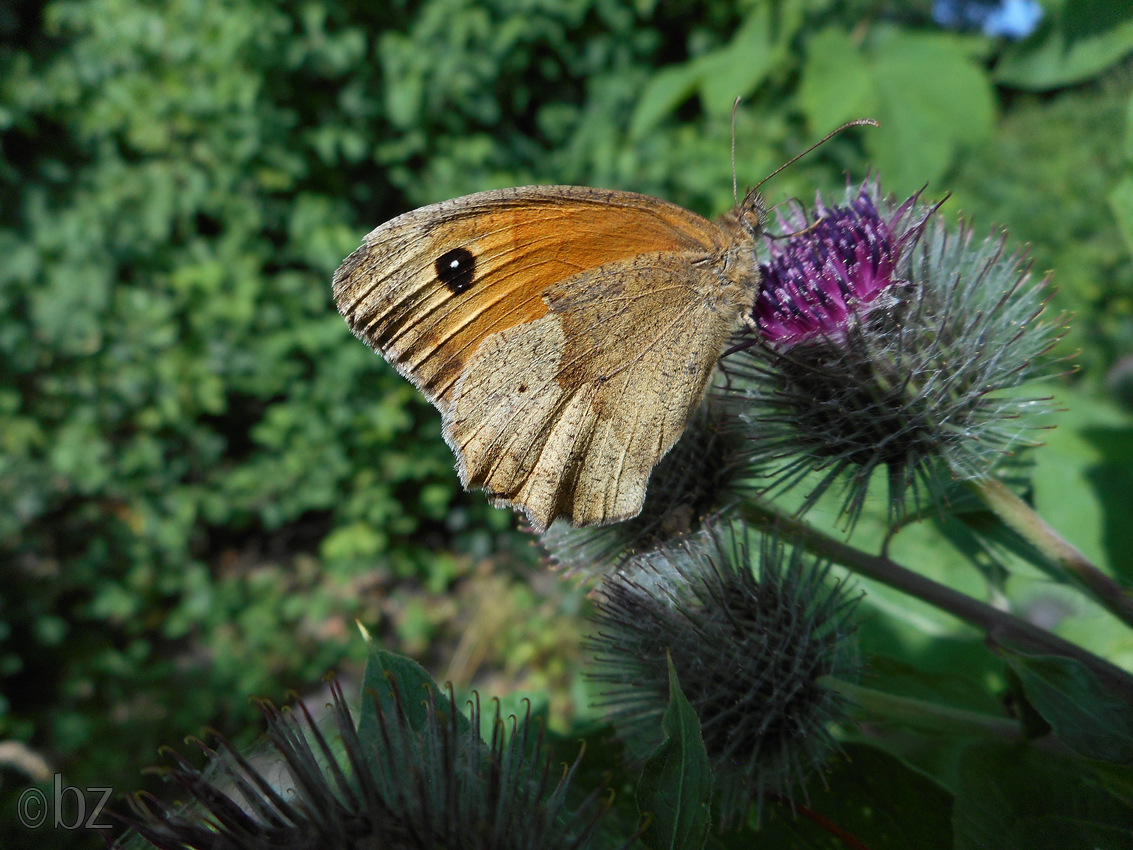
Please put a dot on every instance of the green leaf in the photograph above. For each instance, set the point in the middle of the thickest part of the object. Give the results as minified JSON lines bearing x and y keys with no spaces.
{"x":1121,"y":202}
{"x":1032,"y":724}
{"x":952,"y":678}
{"x":1111,"y":479}
{"x":1088,"y":718}
{"x":405,"y":92}
{"x":871,"y":796}
{"x":676,"y":780}
{"x":759,"y":45}
{"x":1116,"y":779}
{"x":1089,"y":455}
{"x":665,"y":91}
{"x":1129,"y":129}
{"x":837,"y":82}
{"x":992,"y":546}
{"x":605,"y":758}
{"x":358,"y":540}
{"x":933,"y":98}
{"x":391,"y":681}
{"x":974,"y":534}
{"x":1022,"y":798}
{"x":1088,"y":37}
{"x":1079,"y":459}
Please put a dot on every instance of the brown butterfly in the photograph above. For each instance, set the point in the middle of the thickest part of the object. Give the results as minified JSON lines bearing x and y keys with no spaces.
{"x":565,"y":334}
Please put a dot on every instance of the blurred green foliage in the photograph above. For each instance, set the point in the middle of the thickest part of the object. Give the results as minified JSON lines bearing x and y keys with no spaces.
{"x":204,"y":478}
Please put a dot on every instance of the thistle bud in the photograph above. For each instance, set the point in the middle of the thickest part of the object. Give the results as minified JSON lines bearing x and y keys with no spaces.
{"x":414,"y":788}
{"x":702,"y":476}
{"x":888,"y":342}
{"x":748,"y":645}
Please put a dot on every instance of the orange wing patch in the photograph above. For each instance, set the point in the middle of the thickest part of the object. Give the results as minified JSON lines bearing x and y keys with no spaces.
{"x":519,"y":242}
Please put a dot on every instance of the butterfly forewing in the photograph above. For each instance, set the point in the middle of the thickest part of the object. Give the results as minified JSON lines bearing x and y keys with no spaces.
{"x":403,"y":296}
{"x":565,"y":334}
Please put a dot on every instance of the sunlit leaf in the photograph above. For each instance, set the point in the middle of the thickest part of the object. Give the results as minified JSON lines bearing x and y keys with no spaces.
{"x":759,"y":45}
{"x":1087,"y":37}
{"x":1121,"y":202}
{"x":666,"y":90}
{"x":837,"y":83}
{"x":932,"y":100}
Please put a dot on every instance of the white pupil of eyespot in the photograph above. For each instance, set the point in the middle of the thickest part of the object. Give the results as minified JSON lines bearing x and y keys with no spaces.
{"x":454,"y":264}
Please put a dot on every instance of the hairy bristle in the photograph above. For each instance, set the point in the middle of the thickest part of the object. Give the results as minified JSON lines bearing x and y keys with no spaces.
{"x":747,"y":640}
{"x":411,"y":788}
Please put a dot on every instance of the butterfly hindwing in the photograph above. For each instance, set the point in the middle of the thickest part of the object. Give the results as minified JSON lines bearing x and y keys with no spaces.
{"x":567,"y":415}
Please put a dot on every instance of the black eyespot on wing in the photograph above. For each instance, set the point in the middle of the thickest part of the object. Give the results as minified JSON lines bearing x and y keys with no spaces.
{"x":456,"y":269}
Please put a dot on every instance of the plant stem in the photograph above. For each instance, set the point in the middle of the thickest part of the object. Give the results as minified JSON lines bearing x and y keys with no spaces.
{"x":999,"y":626}
{"x":920,"y":714}
{"x":1021,"y":518}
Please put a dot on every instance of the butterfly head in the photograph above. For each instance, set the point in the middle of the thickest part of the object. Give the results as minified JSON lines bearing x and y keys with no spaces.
{"x":746,"y":221}
{"x":752,"y":213}
{"x":743,"y":226}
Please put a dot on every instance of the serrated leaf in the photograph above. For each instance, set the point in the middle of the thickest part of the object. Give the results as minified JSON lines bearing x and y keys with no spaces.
{"x":1084,"y":714}
{"x":1021,"y":798}
{"x":675,"y":788}
{"x":837,"y":84}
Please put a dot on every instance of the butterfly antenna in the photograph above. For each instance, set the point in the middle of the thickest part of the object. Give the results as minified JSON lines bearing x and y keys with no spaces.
{"x":802,"y":232}
{"x":735,"y":192}
{"x":805,"y":230}
{"x":860,"y":122}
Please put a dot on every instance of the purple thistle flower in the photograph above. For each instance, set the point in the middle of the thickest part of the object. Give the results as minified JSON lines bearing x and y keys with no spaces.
{"x":829,"y":271}
{"x":888,"y":342}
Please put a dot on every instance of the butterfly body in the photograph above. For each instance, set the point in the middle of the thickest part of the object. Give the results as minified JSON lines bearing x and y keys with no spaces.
{"x":565,"y":334}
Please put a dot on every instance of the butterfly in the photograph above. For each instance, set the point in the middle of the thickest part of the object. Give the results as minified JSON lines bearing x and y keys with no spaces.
{"x":565,"y":334}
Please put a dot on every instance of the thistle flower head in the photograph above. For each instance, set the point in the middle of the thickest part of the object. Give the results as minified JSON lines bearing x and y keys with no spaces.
{"x":747,"y":650}
{"x":889,"y":342}
{"x":819,"y":279}
{"x":416,"y":787}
